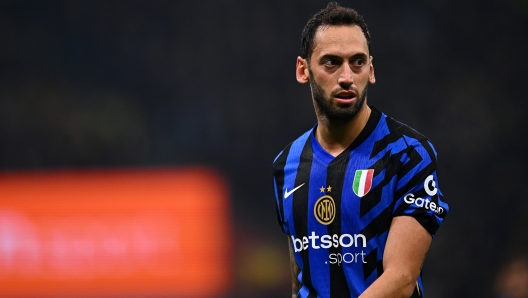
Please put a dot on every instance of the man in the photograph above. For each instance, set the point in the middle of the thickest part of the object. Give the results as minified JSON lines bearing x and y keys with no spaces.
{"x":357,"y":194}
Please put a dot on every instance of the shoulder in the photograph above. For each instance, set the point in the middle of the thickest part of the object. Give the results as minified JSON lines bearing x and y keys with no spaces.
{"x":292,"y":149}
{"x":410,"y":138}
{"x":401,"y":129}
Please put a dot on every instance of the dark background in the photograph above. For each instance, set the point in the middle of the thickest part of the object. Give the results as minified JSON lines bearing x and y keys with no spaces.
{"x":99,"y":84}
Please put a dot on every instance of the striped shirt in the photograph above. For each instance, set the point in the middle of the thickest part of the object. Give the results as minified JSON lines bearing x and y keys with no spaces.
{"x":337,"y":210}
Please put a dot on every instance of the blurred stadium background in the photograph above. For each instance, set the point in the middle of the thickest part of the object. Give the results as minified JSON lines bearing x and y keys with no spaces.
{"x":136,"y":141}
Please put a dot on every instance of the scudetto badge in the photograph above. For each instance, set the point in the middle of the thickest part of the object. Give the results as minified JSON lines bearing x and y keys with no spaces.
{"x":325,"y":210}
{"x":362,"y":182}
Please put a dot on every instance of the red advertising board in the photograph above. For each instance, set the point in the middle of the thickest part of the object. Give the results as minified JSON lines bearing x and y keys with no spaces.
{"x":114,"y":233}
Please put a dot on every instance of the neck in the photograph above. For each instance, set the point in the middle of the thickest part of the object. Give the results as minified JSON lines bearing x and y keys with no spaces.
{"x":335,"y":136}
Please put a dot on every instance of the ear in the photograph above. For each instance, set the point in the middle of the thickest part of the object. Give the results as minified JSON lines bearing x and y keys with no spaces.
{"x":372,"y":78}
{"x":301,"y":71}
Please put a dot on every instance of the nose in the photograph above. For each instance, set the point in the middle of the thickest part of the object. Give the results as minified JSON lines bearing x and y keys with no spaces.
{"x":346,"y":78}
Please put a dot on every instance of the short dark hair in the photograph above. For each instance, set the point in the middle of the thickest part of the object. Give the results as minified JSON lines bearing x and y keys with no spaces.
{"x":332,"y":15}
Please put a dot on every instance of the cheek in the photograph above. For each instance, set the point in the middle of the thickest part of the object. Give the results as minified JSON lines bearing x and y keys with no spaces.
{"x":363,"y":79}
{"x":323,"y":81}
{"x":325,"y":84}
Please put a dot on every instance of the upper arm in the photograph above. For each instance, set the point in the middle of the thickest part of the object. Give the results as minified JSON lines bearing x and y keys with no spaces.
{"x":406,"y":247}
{"x":417,"y":193}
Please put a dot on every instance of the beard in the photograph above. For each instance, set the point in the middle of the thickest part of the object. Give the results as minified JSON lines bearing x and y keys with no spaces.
{"x":335,"y":113}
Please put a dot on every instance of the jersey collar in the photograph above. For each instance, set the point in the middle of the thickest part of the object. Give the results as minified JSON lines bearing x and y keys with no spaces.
{"x":326,"y":157}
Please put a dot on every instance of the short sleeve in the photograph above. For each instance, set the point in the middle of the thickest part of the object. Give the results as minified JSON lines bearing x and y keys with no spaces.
{"x":417,"y":191}
{"x":278,"y":182}
{"x":278,"y":209}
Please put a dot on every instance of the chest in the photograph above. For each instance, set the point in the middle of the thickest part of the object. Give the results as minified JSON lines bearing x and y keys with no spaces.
{"x":346,"y":194}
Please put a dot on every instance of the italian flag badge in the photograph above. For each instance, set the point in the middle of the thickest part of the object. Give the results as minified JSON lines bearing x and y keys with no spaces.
{"x":362,"y":182}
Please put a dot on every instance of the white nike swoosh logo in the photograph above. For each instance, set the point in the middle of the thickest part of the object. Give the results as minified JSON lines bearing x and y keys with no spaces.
{"x":288,"y":193}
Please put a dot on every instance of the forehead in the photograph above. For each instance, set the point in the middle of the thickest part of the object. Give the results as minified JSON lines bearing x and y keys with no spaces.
{"x":346,"y":39}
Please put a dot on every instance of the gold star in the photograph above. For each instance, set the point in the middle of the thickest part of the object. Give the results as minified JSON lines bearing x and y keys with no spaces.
{"x":329,"y":188}
{"x":322,"y":188}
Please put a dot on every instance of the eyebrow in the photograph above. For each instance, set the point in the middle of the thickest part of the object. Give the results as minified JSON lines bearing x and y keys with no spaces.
{"x":337,"y":57}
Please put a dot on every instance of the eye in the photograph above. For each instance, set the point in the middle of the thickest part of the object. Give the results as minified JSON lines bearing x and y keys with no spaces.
{"x":330,"y":62}
{"x":358,"y":62}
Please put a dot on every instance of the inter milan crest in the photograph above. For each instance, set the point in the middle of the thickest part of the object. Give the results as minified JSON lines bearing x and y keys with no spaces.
{"x":325,"y":208}
{"x":362,"y":182}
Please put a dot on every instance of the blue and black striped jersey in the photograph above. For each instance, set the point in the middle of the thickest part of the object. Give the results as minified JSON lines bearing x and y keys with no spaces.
{"x":337,"y":210}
